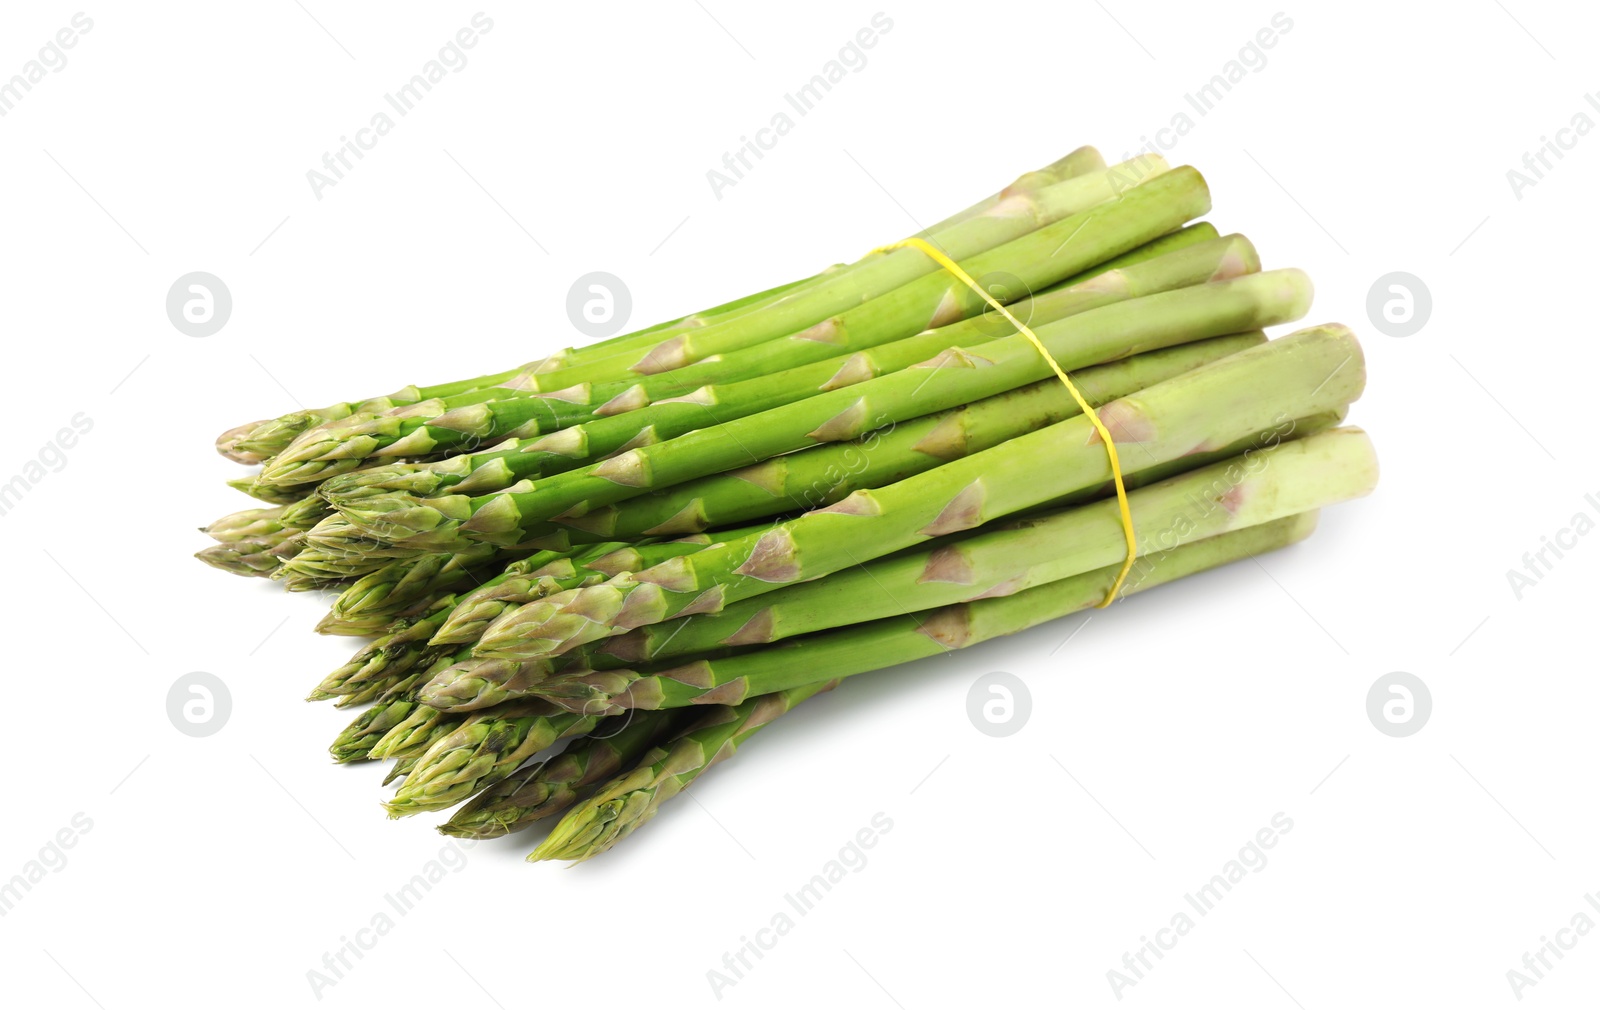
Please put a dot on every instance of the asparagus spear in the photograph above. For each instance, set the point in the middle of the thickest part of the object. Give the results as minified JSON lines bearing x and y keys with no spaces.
{"x":403,"y":645}
{"x":301,"y":514}
{"x":477,"y":608}
{"x":550,"y":787}
{"x":249,"y":556}
{"x":260,"y":441}
{"x":370,"y":603}
{"x":420,"y":725}
{"x":292,"y":496}
{"x":1313,"y":370}
{"x":955,"y":377}
{"x":625,"y":803}
{"x":411,"y":731}
{"x":269,"y":493}
{"x":473,"y":683}
{"x":1038,"y":258}
{"x":481,"y":751}
{"x":377,"y":688}
{"x":336,"y":550}
{"x":355,"y":741}
{"x":247,"y":525}
{"x":873,"y":645}
{"x":229,"y":444}
{"x":391,"y":505}
{"x":273,"y":554}
{"x":417,"y":731}
{"x":411,"y":728}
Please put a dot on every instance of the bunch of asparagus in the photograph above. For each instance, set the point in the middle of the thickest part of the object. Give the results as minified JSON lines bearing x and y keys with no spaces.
{"x":650,"y":547}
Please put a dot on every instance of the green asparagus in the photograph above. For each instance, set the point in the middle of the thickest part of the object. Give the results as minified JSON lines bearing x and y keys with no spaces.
{"x":644,"y":549}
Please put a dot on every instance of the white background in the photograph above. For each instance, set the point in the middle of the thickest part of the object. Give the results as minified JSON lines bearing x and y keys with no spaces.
{"x":1376,"y":138}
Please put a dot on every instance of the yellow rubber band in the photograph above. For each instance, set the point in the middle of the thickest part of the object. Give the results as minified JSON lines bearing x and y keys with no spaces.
{"x":1099,"y":426}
